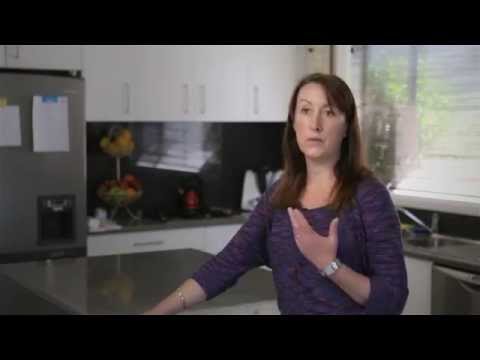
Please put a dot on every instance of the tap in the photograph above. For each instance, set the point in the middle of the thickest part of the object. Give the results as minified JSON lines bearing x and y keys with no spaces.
{"x":435,"y":220}
{"x":416,"y":220}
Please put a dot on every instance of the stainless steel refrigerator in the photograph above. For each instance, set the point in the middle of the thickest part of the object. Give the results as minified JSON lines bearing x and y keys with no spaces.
{"x":43,"y":193}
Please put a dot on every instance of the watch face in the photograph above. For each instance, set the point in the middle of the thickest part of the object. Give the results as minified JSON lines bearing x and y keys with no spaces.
{"x":331,"y":268}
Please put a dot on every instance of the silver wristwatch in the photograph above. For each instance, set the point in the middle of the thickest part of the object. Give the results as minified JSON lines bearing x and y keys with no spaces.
{"x":331,"y":268}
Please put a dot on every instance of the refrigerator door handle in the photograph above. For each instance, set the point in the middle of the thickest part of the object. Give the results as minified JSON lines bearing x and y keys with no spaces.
{"x":126,"y":90}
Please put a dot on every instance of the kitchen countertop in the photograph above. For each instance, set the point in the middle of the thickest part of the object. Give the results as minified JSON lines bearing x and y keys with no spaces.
{"x":463,"y":254}
{"x":133,"y":283}
{"x":176,"y":223}
{"x":129,"y":284}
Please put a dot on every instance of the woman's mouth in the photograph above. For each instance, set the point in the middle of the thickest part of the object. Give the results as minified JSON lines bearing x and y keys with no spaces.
{"x":315,"y":140}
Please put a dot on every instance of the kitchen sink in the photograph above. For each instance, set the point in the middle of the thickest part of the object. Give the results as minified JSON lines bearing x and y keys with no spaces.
{"x":427,"y":242}
{"x":438,"y":241}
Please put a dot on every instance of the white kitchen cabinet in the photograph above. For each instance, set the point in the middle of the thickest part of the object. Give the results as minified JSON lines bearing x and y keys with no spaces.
{"x":3,"y":50}
{"x":44,"y":57}
{"x":259,"y":308}
{"x":211,"y":239}
{"x":221,"y":83}
{"x":273,"y":71}
{"x":115,"y":82}
{"x":147,"y":241}
{"x":419,"y":274}
{"x":217,"y":237}
{"x":220,"y":87}
{"x":165,"y":77}
{"x":165,"y":83}
{"x":318,"y":58}
{"x":205,"y":83}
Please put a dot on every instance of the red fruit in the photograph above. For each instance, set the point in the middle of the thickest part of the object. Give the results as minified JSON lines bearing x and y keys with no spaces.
{"x":129,"y":178}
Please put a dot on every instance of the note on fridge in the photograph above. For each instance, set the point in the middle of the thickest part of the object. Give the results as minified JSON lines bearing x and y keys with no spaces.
{"x":50,"y":124}
{"x":10,"y":132}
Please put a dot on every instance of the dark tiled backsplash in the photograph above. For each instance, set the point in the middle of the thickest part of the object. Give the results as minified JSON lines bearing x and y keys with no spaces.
{"x":237,"y":147}
{"x":240,"y":146}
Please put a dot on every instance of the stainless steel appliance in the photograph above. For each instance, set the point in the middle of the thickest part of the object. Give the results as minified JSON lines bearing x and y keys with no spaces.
{"x":42,"y":194}
{"x":455,"y":292}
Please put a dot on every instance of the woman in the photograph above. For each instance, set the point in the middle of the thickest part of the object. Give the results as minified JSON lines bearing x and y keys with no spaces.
{"x":328,"y":228}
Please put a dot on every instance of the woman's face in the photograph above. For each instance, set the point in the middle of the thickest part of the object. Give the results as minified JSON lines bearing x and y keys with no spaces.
{"x":319,"y":128}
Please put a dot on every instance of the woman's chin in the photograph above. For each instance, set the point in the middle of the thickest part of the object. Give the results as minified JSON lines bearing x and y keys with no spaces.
{"x":315,"y":156}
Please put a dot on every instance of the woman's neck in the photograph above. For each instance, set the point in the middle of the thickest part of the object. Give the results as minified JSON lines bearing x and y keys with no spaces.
{"x":320,"y":175}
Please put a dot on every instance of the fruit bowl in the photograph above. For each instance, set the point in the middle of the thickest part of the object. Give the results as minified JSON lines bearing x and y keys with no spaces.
{"x":118,"y":143}
{"x":118,"y":197}
{"x":119,"y":193}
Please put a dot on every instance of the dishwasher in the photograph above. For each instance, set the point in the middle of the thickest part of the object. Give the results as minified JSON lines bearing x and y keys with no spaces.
{"x":455,"y":292}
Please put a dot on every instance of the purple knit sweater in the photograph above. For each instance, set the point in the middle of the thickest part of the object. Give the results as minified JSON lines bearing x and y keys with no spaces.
{"x":369,"y":242}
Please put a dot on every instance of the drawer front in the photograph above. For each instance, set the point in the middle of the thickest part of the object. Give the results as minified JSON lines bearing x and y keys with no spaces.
{"x":260,"y":308}
{"x":217,"y":237}
{"x":127,"y":243}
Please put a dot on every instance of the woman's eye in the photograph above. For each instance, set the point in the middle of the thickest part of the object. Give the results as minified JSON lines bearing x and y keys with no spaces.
{"x":305,"y":110}
{"x":330,"y":113}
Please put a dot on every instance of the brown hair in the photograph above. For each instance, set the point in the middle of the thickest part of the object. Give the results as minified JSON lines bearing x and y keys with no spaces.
{"x":351,"y":167}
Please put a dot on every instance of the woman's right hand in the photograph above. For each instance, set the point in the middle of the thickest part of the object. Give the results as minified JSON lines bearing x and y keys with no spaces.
{"x":191,"y":293}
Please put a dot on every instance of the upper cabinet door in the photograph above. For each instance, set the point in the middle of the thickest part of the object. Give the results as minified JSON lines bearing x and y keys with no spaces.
{"x":196,"y":83}
{"x":113,"y":82}
{"x":45,"y":57}
{"x":273,"y":71}
{"x":169,"y":89}
{"x":318,"y":58}
{"x":220,"y":86}
{"x":2,"y":55}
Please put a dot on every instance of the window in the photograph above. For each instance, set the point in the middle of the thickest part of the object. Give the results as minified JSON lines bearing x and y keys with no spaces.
{"x":420,"y":116}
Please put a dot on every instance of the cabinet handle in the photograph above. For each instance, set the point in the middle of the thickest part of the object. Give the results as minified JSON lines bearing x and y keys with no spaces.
{"x":15,"y":55}
{"x":151,"y":243}
{"x":203,"y":97}
{"x":256,"y":107}
{"x":126,"y":89}
{"x":185,"y":99}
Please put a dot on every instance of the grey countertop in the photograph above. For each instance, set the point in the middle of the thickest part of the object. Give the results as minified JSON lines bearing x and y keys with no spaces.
{"x":459,"y":253}
{"x":176,"y":223}
{"x":128,"y":284}
{"x":133,"y":283}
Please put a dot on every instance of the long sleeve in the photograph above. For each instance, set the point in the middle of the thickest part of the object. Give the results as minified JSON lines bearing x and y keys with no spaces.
{"x":245,"y":251}
{"x":384,"y":248}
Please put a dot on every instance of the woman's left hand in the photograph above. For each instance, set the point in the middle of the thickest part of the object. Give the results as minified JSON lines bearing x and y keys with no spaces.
{"x":320,"y":250}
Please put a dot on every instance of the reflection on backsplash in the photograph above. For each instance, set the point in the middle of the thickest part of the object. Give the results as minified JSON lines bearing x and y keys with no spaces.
{"x":180,"y":146}
{"x":172,"y":157}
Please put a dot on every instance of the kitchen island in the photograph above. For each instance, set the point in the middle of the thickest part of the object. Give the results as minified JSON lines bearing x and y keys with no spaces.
{"x":126,"y":285}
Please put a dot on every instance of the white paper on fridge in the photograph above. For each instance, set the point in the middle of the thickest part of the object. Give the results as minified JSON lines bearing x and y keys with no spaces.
{"x":50,"y":124}
{"x":10,"y":133}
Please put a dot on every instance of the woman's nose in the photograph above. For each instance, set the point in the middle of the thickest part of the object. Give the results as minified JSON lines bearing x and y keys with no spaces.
{"x":318,"y":122}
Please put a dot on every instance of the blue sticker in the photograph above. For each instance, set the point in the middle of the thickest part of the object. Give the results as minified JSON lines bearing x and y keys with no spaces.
{"x":50,"y":99}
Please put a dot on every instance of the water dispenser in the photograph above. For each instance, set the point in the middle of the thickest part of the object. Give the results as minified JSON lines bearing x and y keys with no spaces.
{"x":56,"y":219}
